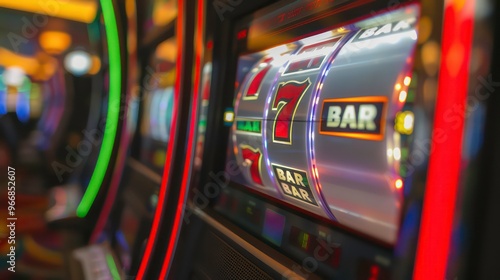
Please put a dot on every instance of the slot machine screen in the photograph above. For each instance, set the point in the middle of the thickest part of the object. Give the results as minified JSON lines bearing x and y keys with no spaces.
{"x":321,"y":124}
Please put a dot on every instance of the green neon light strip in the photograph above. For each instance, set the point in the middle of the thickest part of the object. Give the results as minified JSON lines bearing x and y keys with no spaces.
{"x":113,"y":114}
{"x":112,"y":267}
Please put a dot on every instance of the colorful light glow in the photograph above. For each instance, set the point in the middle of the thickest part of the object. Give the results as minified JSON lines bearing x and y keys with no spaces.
{"x":81,"y":11}
{"x":40,"y":67}
{"x":14,"y":76}
{"x":444,"y":163}
{"x":402,"y":96}
{"x":408,"y":122}
{"x":115,"y":274}
{"x":54,"y":42}
{"x":38,"y":252}
{"x":407,"y":81}
{"x":95,"y":65}
{"x":228,"y":116}
{"x":108,"y":141}
{"x":78,"y":62}
{"x":398,"y":184}
{"x":164,"y":12}
{"x":167,"y":51}
{"x":3,"y":101}
{"x":396,"y":153}
{"x":23,"y":106}
{"x":404,"y":122}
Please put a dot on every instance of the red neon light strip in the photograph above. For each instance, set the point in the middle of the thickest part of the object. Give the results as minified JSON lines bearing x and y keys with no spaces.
{"x":167,"y":260}
{"x":170,"y":148}
{"x":444,"y":164}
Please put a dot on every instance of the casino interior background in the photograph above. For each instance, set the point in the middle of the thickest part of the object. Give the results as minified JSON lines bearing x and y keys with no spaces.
{"x":233,"y":139}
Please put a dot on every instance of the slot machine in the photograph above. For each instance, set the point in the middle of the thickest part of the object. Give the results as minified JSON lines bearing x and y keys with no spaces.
{"x":152,"y":132}
{"x":343,"y":140}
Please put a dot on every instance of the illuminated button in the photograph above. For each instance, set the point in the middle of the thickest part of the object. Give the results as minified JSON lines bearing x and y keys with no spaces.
{"x":54,"y":42}
{"x":229,"y":116}
{"x":404,"y":122}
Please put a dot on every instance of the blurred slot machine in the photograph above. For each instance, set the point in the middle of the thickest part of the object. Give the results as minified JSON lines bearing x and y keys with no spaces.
{"x":67,"y":107}
{"x":81,"y":117}
{"x":338,"y":142}
{"x":148,"y":137}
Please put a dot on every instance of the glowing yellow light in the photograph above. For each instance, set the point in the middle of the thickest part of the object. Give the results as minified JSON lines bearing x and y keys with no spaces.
{"x":407,"y":81}
{"x":389,"y":152}
{"x":54,"y":42}
{"x":82,"y":11}
{"x":397,"y":86}
{"x":404,"y":122}
{"x":398,"y":184}
{"x":228,"y":116}
{"x":402,"y":96}
{"x":397,"y":154}
{"x":167,"y":50}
